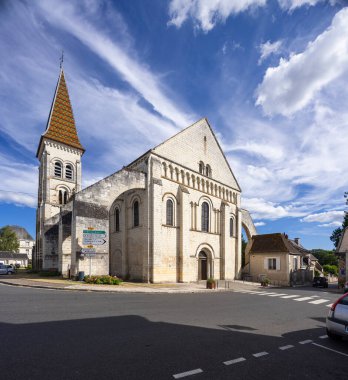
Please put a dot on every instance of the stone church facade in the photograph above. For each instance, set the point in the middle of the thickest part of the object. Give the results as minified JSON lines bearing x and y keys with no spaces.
{"x":172,"y":215}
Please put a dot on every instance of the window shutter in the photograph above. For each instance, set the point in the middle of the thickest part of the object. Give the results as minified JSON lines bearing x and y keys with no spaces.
{"x":265,"y":263}
{"x":278,"y":263}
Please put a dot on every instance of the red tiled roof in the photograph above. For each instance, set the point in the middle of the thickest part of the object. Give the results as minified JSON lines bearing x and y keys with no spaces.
{"x":61,"y":124}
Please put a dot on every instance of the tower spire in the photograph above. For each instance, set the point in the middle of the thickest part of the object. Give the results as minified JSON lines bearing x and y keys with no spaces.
{"x":61,"y":60}
{"x":61,"y":124}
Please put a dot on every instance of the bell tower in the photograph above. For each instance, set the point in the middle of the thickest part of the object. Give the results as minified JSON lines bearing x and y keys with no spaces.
{"x":59,"y":153}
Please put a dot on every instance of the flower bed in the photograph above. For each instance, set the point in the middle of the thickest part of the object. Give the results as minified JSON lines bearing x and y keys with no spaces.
{"x":102,"y":280}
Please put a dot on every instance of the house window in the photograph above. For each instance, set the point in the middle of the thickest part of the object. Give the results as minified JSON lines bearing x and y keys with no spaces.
{"x":58,"y":169}
{"x":231,"y":227}
{"x":272,"y":264}
{"x":169,"y":213}
{"x":117,"y":220}
{"x":136,"y":214}
{"x":205,"y":217}
{"x":68,"y":172}
{"x":295,"y":263}
{"x":62,"y":197}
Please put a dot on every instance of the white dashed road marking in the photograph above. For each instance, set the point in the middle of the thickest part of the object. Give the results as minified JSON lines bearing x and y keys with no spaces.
{"x":277,"y":294}
{"x":188,"y":373}
{"x":323,"y":337}
{"x":234,"y":361}
{"x":319,"y":301}
{"x":306,"y":341}
{"x":292,"y":296}
{"x":303,"y":299}
{"x":329,"y":305}
{"x":330,"y":349}
{"x":259,"y":354}
{"x":286,"y":347}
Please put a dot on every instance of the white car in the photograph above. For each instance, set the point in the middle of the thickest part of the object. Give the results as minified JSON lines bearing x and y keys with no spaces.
{"x":6,"y":269}
{"x":337,"y":320}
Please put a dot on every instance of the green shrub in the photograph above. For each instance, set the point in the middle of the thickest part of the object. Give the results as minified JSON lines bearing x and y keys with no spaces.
{"x":331,"y":269}
{"x":102,"y":280}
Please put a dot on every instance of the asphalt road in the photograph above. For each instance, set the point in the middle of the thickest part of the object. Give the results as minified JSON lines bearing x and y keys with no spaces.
{"x":49,"y":334}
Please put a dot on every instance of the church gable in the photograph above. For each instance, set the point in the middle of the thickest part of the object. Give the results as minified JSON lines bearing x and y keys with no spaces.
{"x":197,"y":145}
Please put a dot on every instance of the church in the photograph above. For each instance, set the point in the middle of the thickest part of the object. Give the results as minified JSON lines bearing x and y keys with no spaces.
{"x":172,"y":215}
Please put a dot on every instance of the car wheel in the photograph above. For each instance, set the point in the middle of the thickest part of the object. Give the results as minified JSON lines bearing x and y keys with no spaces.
{"x":9,"y":273}
{"x":332,"y":335}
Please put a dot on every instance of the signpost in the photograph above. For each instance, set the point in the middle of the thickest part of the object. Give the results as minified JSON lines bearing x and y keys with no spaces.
{"x":90,"y":238}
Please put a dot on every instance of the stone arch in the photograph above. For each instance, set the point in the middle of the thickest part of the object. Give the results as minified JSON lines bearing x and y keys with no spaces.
{"x":205,"y":257}
{"x":164,"y":167}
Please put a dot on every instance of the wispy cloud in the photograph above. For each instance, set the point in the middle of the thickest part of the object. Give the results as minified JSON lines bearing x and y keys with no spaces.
{"x":293,"y":4}
{"x":206,"y":14}
{"x":327,"y":216}
{"x":269,"y":48}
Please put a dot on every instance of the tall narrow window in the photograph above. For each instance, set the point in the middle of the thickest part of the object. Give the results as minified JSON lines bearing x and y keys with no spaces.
{"x":231,"y":227}
{"x":205,"y":217}
{"x":117,"y":220}
{"x":58,"y":169}
{"x":208,"y":171}
{"x":68,"y":172}
{"x":62,"y":197}
{"x":201,"y":167}
{"x":136,"y":214}
{"x":170,"y":214}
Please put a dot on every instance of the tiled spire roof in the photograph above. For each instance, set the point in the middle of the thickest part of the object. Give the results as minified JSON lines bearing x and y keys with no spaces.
{"x":61,"y":124}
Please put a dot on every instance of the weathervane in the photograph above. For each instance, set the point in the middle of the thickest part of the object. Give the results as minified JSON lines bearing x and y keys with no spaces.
{"x":61,"y":59}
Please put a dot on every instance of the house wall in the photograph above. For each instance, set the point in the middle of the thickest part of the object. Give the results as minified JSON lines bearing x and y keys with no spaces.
{"x":280,"y":275}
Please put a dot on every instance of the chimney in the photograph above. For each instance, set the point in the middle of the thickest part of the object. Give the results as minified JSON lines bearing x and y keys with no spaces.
{"x":297,"y":241}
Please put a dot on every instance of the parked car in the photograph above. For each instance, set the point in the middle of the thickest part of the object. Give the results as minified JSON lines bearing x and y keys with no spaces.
{"x":320,"y":281}
{"x":337,"y":320}
{"x":6,"y":269}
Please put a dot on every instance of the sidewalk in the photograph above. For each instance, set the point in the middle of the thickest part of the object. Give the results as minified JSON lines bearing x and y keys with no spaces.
{"x":35,"y":281}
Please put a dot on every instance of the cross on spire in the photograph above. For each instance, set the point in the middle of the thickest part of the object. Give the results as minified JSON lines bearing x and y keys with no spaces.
{"x":61,"y":59}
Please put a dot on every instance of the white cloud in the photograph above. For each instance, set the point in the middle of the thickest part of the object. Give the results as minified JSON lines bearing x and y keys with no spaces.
{"x":259,"y":224}
{"x":332,"y":224}
{"x":293,"y":4}
{"x":269,"y":48}
{"x":206,"y":14}
{"x":18,"y":182}
{"x":327,"y":216}
{"x":295,"y":82}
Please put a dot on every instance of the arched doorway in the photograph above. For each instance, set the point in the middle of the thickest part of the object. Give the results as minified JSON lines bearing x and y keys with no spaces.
{"x":202,"y":266}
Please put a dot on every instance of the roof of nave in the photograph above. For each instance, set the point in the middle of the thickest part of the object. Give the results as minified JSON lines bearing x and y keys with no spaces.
{"x":61,"y":124}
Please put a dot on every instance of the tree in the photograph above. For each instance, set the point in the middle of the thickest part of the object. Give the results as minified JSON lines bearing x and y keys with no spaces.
{"x":8,"y":239}
{"x":336,"y":234}
{"x":325,"y":257}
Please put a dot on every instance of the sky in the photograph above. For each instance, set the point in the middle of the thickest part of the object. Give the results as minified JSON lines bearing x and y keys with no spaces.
{"x":270,"y":75}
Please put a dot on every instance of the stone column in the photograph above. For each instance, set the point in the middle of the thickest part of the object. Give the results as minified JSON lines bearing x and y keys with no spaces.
{"x":184,"y":272}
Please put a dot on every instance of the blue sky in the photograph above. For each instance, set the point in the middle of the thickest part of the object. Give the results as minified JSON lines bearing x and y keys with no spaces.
{"x":270,"y":76}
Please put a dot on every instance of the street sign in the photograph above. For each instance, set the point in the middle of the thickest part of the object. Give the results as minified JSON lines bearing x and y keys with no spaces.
{"x":100,"y":233}
{"x":88,"y":251}
{"x":93,"y":237}
{"x":94,"y":241}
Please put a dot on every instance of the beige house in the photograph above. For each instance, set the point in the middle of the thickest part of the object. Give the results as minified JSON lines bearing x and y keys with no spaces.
{"x":172,"y":215}
{"x":14,"y":258}
{"x":342,"y":252}
{"x":281,"y":260}
{"x":26,"y":242}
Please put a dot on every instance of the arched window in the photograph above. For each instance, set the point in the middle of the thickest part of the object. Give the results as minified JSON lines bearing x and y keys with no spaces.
{"x":58,"y":169}
{"x":69,"y":172}
{"x":169,"y":213}
{"x":136,"y":214}
{"x":62,"y":196}
{"x":205,"y":217}
{"x":201,"y":167}
{"x":231,"y":227}
{"x":208,"y":171}
{"x":117,"y":220}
